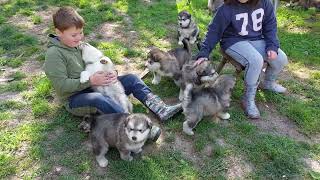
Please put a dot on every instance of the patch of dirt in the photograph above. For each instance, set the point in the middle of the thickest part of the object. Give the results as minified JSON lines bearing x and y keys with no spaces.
{"x":32,"y":67}
{"x":9,"y":95}
{"x":56,"y":172}
{"x":280,"y":125}
{"x":314,"y":165}
{"x":22,"y":150}
{"x":41,"y":29}
{"x":237,"y":168}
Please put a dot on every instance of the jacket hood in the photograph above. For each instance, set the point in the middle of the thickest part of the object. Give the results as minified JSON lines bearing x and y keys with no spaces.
{"x":54,"y":41}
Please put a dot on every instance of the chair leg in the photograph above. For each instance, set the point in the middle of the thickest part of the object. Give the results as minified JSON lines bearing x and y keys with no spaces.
{"x":221,"y":65}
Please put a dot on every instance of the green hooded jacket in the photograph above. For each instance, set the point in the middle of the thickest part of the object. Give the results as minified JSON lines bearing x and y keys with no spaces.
{"x":63,"y":66}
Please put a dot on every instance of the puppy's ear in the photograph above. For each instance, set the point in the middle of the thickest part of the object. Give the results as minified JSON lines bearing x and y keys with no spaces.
{"x":126,"y":121}
{"x":149,"y":123}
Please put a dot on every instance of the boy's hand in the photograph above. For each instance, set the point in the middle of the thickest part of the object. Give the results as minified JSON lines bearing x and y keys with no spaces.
{"x":101,"y":78}
{"x":272,"y":55}
{"x":199,"y":61}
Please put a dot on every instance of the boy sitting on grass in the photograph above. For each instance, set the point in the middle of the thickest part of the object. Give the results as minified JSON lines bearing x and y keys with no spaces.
{"x":63,"y":65}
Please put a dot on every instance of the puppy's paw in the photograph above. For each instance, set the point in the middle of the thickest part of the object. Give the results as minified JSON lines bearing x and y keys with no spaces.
{"x":103,"y":162}
{"x":155,"y":81}
{"x":224,"y":115}
{"x":180,"y":43}
{"x":193,"y":40}
{"x":138,"y":151}
{"x":126,"y":156}
{"x":187,"y":129}
{"x":84,"y":76}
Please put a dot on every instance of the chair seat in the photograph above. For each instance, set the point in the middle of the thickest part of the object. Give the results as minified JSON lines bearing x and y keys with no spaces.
{"x":228,"y":59}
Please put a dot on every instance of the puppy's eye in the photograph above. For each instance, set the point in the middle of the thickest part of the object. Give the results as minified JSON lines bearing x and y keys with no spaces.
{"x":131,"y":129}
{"x":140,"y":130}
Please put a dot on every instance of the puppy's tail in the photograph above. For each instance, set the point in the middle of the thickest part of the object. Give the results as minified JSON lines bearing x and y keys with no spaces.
{"x":186,"y":45}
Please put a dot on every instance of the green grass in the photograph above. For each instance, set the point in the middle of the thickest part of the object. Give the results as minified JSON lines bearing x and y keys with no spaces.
{"x":116,"y":51}
{"x":15,"y":86}
{"x":44,"y":136}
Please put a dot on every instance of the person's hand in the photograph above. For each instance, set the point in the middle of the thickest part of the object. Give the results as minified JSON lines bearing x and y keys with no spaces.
{"x":199,"y":61}
{"x":272,"y":54}
{"x":101,"y":78}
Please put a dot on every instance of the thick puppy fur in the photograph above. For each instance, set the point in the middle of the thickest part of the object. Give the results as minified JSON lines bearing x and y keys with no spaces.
{"x":187,"y":29}
{"x":169,"y":63}
{"x":126,"y":132}
{"x":207,"y":101}
{"x":96,"y":61}
{"x":198,"y":76}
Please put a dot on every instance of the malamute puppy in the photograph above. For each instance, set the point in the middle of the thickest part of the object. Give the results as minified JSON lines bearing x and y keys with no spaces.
{"x":187,"y":28}
{"x":169,"y":63}
{"x":198,"y":76}
{"x":126,"y":132}
{"x":213,"y":100}
{"x":96,"y":61}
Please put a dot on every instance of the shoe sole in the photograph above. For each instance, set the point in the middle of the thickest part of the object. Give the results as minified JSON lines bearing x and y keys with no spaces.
{"x":171,"y":114}
{"x":156,"y":137}
{"x":244,"y":109}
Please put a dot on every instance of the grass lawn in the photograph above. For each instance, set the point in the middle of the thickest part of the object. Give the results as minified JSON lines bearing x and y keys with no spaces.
{"x":39,"y":139}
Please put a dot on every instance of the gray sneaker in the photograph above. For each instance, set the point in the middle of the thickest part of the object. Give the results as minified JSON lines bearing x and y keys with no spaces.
{"x":155,"y":133}
{"x":273,"y":86}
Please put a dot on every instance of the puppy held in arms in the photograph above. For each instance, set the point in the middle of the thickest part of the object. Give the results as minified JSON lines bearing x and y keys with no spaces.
{"x":169,"y":63}
{"x":187,"y":29}
{"x":95,"y":61}
{"x":126,"y":132}
{"x":207,"y":101}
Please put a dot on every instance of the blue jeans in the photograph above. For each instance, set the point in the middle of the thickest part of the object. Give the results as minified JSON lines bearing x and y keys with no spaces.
{"x":87,"y":97}
{"x":252,"y":54}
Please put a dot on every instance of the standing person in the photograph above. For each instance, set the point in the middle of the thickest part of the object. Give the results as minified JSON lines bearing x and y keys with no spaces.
{"x":63,"y":65}
{"x":247,"y":31}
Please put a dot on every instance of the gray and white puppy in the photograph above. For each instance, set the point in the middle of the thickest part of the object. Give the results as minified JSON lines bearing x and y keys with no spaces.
{"x":126,"y":132}
{"x":198,"y":76}
{"x":213,"y":100}
{"x":187,"y":28}
{"x":169,"y":63}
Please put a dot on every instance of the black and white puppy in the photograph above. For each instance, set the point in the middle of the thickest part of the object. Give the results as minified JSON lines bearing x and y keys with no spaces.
{"x":187,"y":28}
{"x":169,"y":63}
{"x":207,"y":101}
{"x":126,"y":132}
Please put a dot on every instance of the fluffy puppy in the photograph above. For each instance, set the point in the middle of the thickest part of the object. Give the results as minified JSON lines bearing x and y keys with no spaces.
{"x":213,"y":100}
{"x":169,"y":63}
{"x":126,"y":132}
{"x":198,"y":76}
{"x":96,"y":61}
{"x":187,"y":28}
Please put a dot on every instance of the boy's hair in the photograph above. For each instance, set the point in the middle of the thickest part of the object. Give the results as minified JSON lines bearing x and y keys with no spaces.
{"x":67,"y":17}
{"x":251,"y":3}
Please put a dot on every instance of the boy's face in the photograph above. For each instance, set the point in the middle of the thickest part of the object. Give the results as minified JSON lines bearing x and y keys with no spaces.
{"x":70,"y":37}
